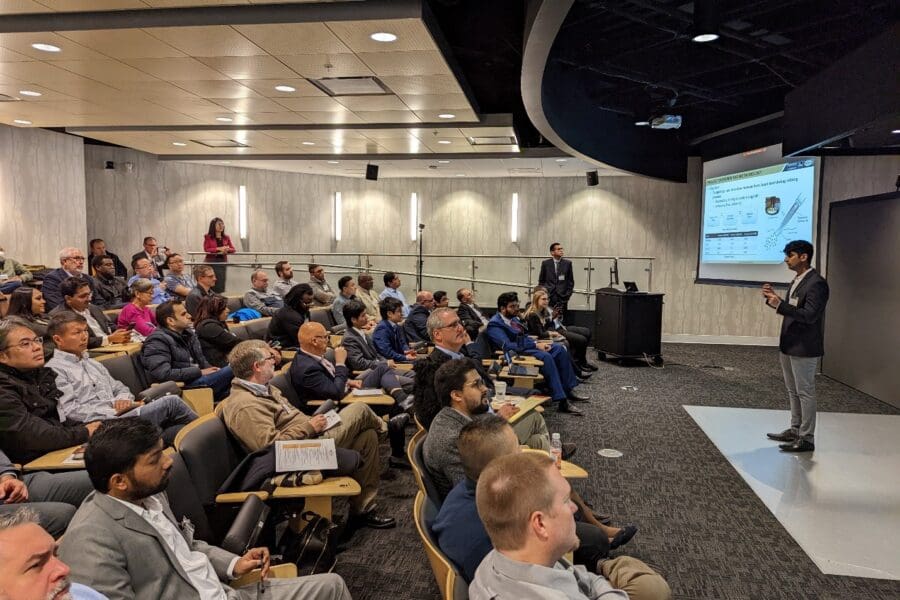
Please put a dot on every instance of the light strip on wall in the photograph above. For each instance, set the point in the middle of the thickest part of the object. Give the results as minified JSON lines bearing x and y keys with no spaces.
{"x":242,"y":211}
{"x":413,"y":216}
{"x":337,"y":220}
{"x":514,"y":218}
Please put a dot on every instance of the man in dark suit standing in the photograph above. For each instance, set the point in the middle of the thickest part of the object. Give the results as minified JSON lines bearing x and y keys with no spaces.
{"x":802,"y":343}
{"x":556,"y":277}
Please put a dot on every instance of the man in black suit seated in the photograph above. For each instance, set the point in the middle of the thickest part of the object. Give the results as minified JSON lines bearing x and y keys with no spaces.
{"x":802,"y":342}
{"x":314,"y":377}
{"x":76,"y":293}
{"x":362,"y":356}
{"x":97,"y":248}
{"x":71,"y":262}
{"x":556,"y":277}
{"x":470,"y":314}
{"x":414,"y":326}
{"x":110,"y":290}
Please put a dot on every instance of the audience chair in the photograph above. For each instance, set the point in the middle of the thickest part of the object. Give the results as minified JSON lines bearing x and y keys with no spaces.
{"x":258,"y":328}
{"x":112,"y":314}
{"x":414,"y":452}
{"x":322,"y":315}
{"x":284,"y":386}
{"x":240,"y":330}
{"x":481,"y":347}
{"x":448,"y":578}
{"x":234,"y":302}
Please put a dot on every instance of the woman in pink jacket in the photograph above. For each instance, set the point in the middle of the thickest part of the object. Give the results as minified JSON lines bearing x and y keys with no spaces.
{"x":137,"y":314}
{"x":217,"y":246}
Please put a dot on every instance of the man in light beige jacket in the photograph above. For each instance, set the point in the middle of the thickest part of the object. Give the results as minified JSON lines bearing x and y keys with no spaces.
{"x":259,"y":415}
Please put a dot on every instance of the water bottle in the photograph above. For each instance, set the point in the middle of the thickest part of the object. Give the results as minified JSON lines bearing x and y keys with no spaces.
{"x":556,"y":449}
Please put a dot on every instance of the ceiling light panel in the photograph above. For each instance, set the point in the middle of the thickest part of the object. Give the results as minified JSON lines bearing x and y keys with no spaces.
{"x":266,"y":87}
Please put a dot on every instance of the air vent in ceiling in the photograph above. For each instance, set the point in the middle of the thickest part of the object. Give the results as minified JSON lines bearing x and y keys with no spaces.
{"x":5,"y":98}
{"x":220,"y":143}
{"x":351,"y":86}
{"x":497,"y":140}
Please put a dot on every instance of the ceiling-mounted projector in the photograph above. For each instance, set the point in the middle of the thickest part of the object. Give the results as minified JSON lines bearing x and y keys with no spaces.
{"x":666,"y":122}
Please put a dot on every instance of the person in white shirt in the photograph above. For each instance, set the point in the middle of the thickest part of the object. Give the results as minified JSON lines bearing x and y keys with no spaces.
{"x":124,"y":541}
{"x":392,"y":290}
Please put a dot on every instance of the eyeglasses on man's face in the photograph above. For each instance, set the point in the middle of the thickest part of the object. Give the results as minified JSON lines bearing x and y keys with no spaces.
{"x":27,"y":343}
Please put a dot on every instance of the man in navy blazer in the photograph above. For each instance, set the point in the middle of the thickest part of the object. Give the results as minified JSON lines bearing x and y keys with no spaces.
{"x":389,"y":338}
{"x":802,"y":342}
{"x":507,"y":333}
{"x":71,"y":262}
{"x":556,"y":277}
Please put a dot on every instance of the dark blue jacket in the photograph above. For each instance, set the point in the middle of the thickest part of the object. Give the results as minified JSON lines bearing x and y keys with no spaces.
{"x":50,"y":286}
{"x":170,"y":356}
{"x":390,"y":341}
{"x":459,"y":531}
{"x":414,"y":327}
{"x":312,"y":381}
{"x":503,"y":337}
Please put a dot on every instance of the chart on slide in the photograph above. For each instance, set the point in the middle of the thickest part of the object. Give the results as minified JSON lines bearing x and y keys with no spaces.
{"x":748,"y":217}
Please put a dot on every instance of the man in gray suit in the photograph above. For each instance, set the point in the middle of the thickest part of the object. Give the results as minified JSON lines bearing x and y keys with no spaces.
{"x":124,"y":541}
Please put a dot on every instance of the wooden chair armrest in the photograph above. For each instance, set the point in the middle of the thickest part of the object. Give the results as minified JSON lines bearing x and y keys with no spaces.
{"x":199,"y":399}
{"x":288,"y":355}
{"x":285,"y":571}
{"x":332,"y":486}
{"x":239,"y":497}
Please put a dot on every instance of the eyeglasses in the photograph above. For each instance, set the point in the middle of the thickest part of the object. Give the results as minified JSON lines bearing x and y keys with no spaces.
{"x":478,"y":383}
{"x":454,"y":324}
{"x":28,"y":342}
{"x":272,"y":358}
{"x":75,"y":258}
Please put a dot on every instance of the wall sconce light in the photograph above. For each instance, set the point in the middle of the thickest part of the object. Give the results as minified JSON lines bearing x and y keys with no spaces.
{"x":413,"y":216}
{"x":242,"y":211}
{"x":337,"y":219}
{"x":514,"y":218}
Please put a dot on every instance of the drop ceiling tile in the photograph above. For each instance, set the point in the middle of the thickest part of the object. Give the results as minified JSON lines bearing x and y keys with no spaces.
{"x":294,"y":38}
{"x":461,"y":116}
{"x":249,"y":105}
{"x":440,"y":133}
{"x":152,"y":90}
{"x":438,"y":102}
{"x":85,"y":5}
{"x":189,"y":105}
{"x":419,"y":62}
{"x":219,"y":40}
{"x":279,"y":118}
{"x":317,"y":66}
{"x":218,"y":89}
{"x":77,"y":107}
{"x":47,"y":95}
{"x":455,"y":145}
{"x":105,"y":71}
{"x":7,"y":55}
{"x":123,"y":43}
{"x":390,"y":134}
{"x":176,"y":69}
{"x":388,"y":116}
{"x":180,"y":3}
{"x":422,"y":85}
{"x":69,"y":50}
{"x":357,"y":103}
{"x":11,"y":7}
{"x":312,"y":104}
{"x":249,"y":67}
{"x":266,"y":87}
{"x":409,"y":145}
{"x":333,"y":117}
{"x":411,"y":35}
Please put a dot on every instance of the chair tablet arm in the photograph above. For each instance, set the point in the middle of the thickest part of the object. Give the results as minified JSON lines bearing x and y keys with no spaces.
{"x":239,"y":497}
{"x":199,"y":399}
{"x":284,"y":571}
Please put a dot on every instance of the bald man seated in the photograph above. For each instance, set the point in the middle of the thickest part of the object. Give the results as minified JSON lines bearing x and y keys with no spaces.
{"x":260,"y":298}
{"x":414,"y":326}
{"x":314,"y":377}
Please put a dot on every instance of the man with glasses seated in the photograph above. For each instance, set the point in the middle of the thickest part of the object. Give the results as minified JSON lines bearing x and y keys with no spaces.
{"x":77,"y":296}
{"x":71,"y":262}
{"x":29,"y":415}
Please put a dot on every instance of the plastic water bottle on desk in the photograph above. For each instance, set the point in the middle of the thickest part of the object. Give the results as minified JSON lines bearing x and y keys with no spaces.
{"x":556,"y":449}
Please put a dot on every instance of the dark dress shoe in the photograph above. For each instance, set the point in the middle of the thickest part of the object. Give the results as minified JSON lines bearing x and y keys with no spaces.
{"x":568,"y":449}
{"x":798,"y":446}
{"x":399,"y":462}
{"x":623,"y":537}
{"x":586,"y":366}
{"x":576,"y":397}
{"x":569,"y":410}
{"x":583,"y":374}
{"x":370,"y":520}
{"x":788,"y":435}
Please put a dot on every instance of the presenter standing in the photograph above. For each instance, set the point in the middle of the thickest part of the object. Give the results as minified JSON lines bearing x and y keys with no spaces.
{"x":556,"y":277}
{"x":218,"y":246}
{"x":801,"y":343}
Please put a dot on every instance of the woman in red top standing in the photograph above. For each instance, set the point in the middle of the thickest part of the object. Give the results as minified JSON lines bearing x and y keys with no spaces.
{"x":217,"y":246}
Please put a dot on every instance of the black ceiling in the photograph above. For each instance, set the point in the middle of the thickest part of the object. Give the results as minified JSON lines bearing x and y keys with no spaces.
{"x":635,"y":58}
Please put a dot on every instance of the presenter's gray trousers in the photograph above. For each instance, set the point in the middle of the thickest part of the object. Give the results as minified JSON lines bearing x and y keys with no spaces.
{"x":800,"y":381}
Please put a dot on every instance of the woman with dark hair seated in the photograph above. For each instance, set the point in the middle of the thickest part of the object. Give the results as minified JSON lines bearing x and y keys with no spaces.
{"x":285,"y":325}
{"x":28,"y":303}
{"x":136,"y":315}
{"x":215,"y":338}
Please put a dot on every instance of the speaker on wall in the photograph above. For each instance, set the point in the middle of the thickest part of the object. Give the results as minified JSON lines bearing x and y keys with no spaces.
{"x":372,"y":172}
{"x":592,"y":178}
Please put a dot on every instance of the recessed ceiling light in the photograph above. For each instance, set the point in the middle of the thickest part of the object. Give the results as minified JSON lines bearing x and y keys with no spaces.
{"x":561,"y":160}
{"x":444,"y":162}
{"x":179,"y":144}
{"x":21,"y":122}
{"x":30,"y":93}
{"x":308,"y":143}
{"x":705,"y":37}
{"x":444,"y":142}
{"x":334,"y":162}
{"x":224,"y":119}
{"x":642,"y":123}
{"x":46,"y":47}
{"x":896,"y":131}
{"x":383,"y":36}
{"x":460,"y":174}
{"x":446,"y":116}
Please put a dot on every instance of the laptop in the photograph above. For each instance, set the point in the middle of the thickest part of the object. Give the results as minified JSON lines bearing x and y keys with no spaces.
{"x":520,"y":370}
{"x":631,"y":287}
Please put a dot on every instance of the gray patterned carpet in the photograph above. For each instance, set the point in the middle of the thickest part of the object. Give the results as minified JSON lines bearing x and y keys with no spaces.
{"x":700,"y":524}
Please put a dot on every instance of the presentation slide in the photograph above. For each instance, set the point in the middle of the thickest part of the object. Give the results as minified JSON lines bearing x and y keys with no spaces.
{"x":749,"y":214}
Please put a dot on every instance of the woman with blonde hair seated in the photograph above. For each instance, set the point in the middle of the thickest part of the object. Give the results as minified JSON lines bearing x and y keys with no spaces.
{"x":546,"y":323}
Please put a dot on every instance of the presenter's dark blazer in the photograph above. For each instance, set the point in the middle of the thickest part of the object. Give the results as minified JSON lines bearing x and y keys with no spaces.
{"x":803,"y":327}
{"x":559,"y":291}
{"x":312,"y":381}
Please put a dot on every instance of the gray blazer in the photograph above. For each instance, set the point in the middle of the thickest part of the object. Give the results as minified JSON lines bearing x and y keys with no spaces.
{"x":112,"y":549}
{"x":440,"y":452}
{"x":361,"y":353}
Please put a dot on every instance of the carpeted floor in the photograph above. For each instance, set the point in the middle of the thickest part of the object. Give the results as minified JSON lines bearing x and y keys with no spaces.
{"x":700,"y":524}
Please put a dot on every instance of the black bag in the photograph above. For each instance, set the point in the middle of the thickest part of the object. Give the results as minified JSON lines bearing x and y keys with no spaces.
{"x":313,"y":550}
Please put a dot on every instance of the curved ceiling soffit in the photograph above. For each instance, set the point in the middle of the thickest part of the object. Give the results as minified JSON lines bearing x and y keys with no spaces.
{"x":556,"y":101}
